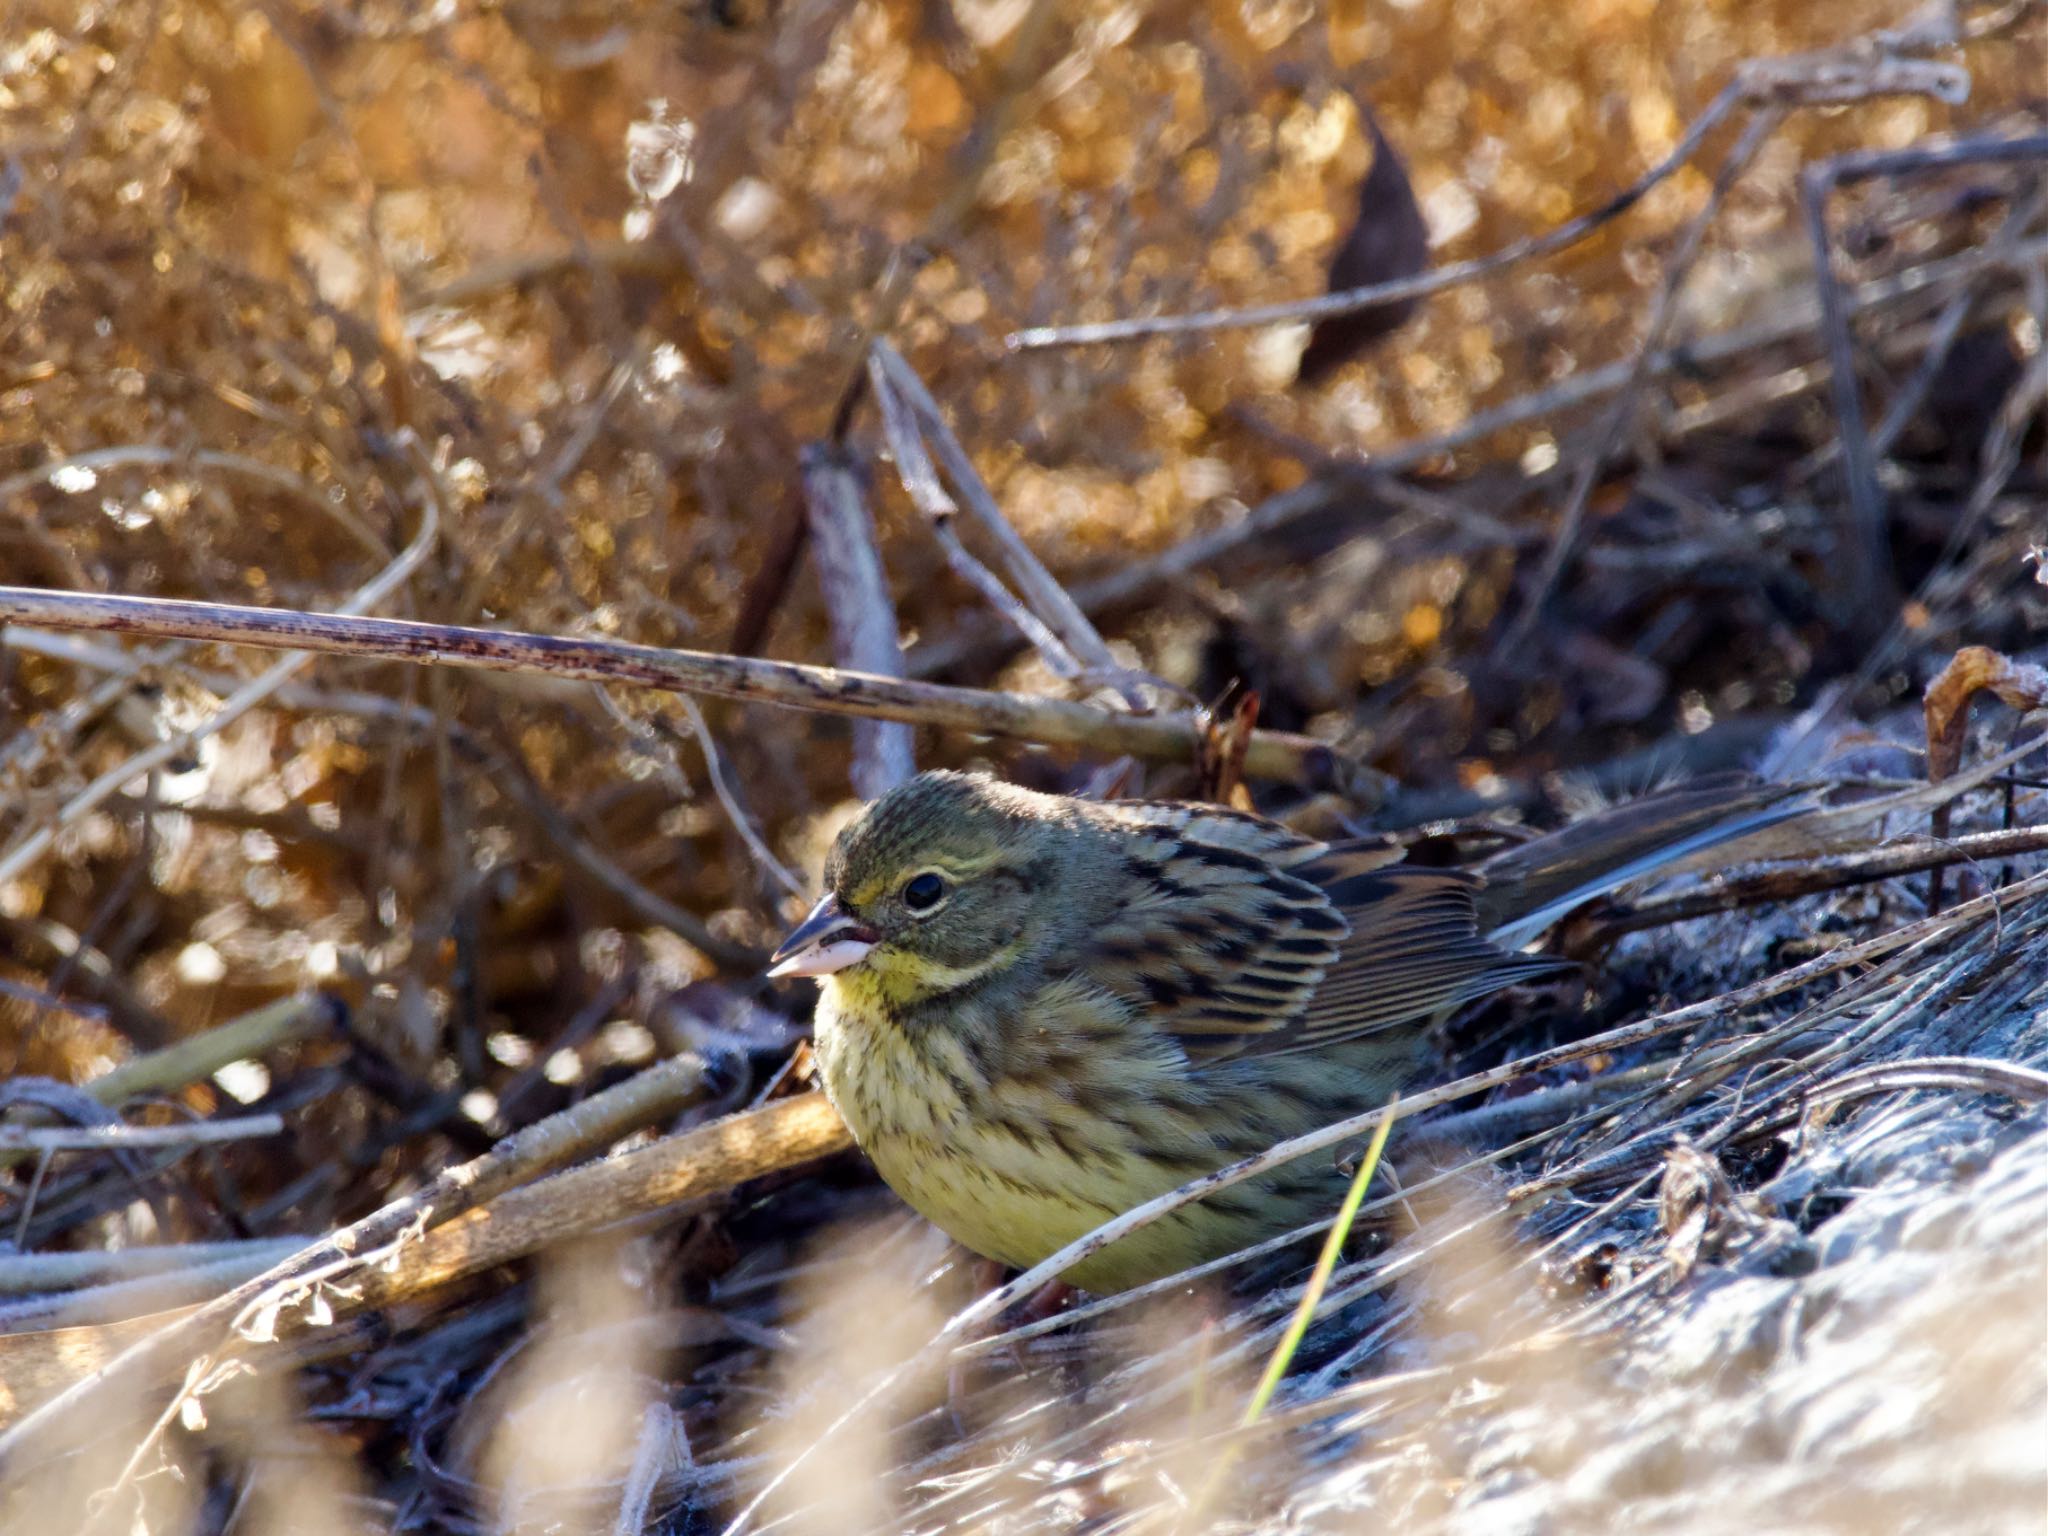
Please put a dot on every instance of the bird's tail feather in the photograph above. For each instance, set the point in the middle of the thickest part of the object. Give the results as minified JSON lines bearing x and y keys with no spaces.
{"x":1531,"y":886}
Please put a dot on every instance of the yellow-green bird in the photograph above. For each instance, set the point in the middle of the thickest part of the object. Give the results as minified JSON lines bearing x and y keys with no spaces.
{"x":1038,"y":1011}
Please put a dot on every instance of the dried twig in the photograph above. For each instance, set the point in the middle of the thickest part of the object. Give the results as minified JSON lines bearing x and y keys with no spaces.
{"x":517,"y":1222}
{"x":506,"y":770}
{"x":652,"y":742}
{"x":1272,"y":754}
{"x":1954,"y":1074}
{"x":1830,"y":78}
{"x":123,"y":1138}
{"x":34,"y":844}
{"x":51,"y":1003}
{"x":511,"y":776}
{"x":59,"y":951}
{"x":1946,"y":585}
{"x":1948,"y":326}
{"x":252,"y":1311}
{"x":23,"y":1273}
{"x":1788,"y":882}
{"x":120,"y":1297}
{"x":1594,"y":462}
{"x":921,"y":481}
{"x":660,"y":1453}
{"x":714,"y":1157}
{"x":199,"y":1056}
{"x":1797,"y":320}
{"x":1869,"y":594}
{"x":1056,"y":612}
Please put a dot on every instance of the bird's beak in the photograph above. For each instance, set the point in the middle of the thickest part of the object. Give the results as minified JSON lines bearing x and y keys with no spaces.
{"x":829,"y":939}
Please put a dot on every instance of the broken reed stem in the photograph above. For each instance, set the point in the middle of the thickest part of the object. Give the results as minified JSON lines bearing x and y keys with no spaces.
{"x":714,"y":1157}
{"x":792,"y":685}
{"x":578,"y":1201}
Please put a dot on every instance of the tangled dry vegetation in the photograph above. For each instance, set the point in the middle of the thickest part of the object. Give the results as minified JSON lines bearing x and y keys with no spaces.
{"x":734,"y":328}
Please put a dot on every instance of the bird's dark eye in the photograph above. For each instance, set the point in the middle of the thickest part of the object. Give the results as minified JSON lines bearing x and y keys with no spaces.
{"x":923,"y":892}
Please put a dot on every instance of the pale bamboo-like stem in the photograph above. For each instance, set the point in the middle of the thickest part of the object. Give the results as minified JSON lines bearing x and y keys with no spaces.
{"x":856,"y":590}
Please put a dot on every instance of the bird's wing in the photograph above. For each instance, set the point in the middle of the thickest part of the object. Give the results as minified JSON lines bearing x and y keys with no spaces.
{"x":1239,"y":937}
{"x":1215,"y":942}
{"x":1414,"y":950}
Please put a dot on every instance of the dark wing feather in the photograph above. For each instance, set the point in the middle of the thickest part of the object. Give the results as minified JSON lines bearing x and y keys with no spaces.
{"x":1414,"y":950}
{"x":1242,"y":938}
{"x":1216,"y":942}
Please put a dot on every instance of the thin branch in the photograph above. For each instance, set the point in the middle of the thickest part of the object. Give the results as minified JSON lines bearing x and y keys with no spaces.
{"x":1056,"y":722}
{"x":1961,"y":1074}
{"x":128,"y":1138}
{"x":1623,"y":414}
{"x":927,"y":493}
{"x":511,"y":776}
{"x":1808,"y":877}
{"x":1796,"y":321}
{"x":28,"y":1273}
{"x":1870,"y":587}
{"x":652,"y":742}
{"x":507,"y":772}
{"x":251,"y":1312}
{"x":31,"y":847}
{"x":381,"y":1269}
{"x":1831,"y":78}
{"x":197,"y":1057}
{"x":1044,"y":596}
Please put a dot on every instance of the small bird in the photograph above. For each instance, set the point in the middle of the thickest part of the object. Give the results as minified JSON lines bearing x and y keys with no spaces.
{"x":1037,"y":1012}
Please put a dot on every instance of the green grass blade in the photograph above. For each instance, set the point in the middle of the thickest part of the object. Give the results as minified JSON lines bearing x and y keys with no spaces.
{"x":1326,"y":1265}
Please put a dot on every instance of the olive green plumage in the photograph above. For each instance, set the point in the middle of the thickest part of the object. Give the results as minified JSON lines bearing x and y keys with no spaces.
{"x":1039,"y":1011}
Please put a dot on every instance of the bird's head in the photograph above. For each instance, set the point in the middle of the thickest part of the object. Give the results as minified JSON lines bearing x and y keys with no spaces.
{"x":939,"y":884}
